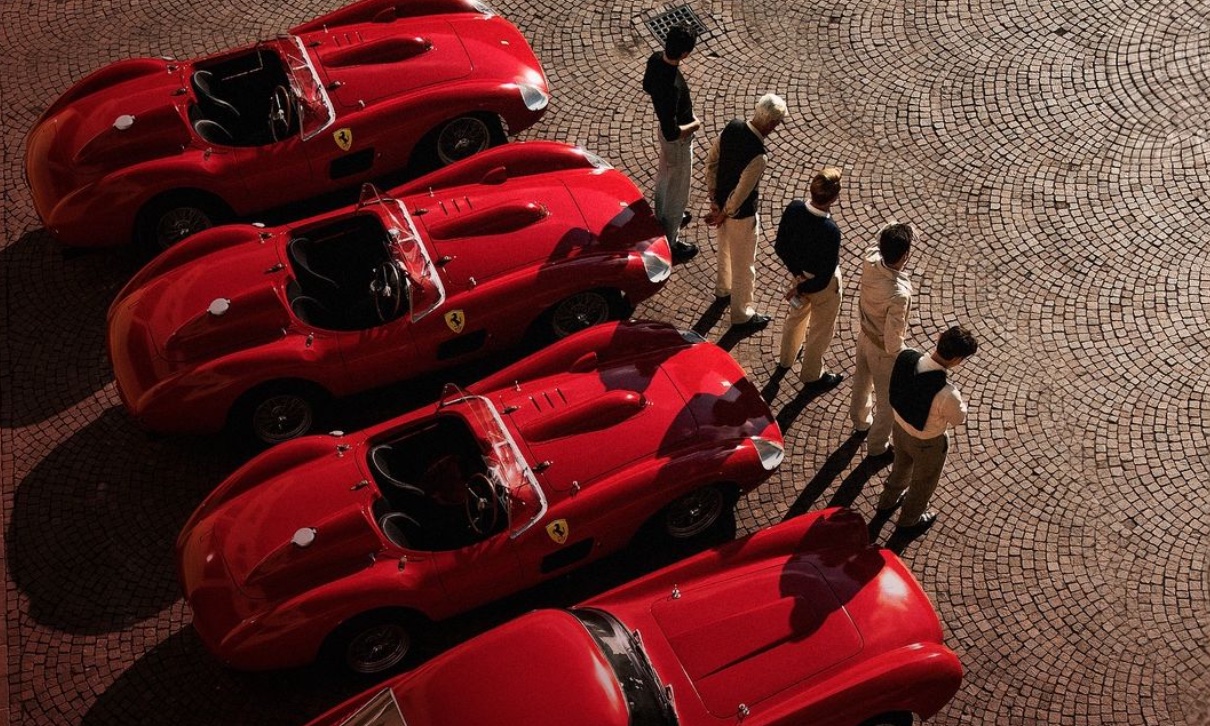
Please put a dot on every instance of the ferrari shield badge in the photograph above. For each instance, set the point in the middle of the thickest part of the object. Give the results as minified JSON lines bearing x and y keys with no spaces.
{"x":456,"y":320}
{"x":344,"y":138}
{"x":558,"y":530}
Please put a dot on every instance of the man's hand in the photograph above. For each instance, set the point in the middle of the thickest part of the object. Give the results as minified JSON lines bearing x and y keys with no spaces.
{"x":715,"y":217}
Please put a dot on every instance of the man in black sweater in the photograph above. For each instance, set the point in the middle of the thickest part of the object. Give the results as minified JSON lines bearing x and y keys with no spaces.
{"x":733,"y":171}
{"x":808,"y":242}
{"x":677,"y":125}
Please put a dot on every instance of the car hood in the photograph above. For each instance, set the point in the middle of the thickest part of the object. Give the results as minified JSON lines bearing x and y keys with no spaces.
{"x":301,"y":528}
{"x":488,"y":230}
{"x":575,"y":678}
{"x":118,"y":117}
{"x":376,"y":61}
{"x":212,"y":306}
{"x":747,"y":638}
{"x":644,"y":407}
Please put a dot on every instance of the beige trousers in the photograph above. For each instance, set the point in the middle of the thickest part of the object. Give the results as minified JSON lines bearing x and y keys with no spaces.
{"x":872,"y":394}
{"x":917,"y":468}
{"x":737,"y":265}
{"x":814,"y":321}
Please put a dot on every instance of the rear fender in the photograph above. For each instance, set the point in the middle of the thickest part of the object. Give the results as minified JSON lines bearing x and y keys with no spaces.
{"x":497,"y":164}
{"x":104,"y":78}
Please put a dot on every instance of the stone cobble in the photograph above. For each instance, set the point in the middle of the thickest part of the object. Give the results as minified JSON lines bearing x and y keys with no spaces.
{"x":1053,"y":155}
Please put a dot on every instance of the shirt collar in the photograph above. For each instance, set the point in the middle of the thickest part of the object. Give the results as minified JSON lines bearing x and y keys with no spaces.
{"x":759,"y":135}
{"x":817,"y":212}
{"x":928,"y":364}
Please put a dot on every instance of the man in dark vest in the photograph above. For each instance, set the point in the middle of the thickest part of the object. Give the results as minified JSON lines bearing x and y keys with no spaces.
{"x":925,"y":407}
{"x":733,"y":170}
{"x":669,"y":93}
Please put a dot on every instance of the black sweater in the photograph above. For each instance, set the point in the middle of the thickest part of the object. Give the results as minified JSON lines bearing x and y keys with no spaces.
{"x":808,"y":243}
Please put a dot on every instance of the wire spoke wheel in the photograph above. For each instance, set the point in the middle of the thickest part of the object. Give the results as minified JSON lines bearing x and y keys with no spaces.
{"x":378,"y":647}
{"x":461,"y":138}
{"x":578,"y":312}
{"x":281,"y":417}
{"x":178,"y":223}
{"x":694,"y":513}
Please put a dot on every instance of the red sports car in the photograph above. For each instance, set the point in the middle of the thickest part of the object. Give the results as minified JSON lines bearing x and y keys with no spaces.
{"x":257,"y":327}
{"x":353,"y":543}
{"x":801,"y":623}
{"x":159,"y":149}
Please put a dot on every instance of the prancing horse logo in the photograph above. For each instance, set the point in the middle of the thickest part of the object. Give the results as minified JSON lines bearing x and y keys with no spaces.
{"x":344,"y":138}
{"x":456,"y":319}
{"x":558,"y":530}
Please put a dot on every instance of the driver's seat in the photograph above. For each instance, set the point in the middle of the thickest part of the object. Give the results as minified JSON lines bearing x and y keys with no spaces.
{"x":213,"y":131}
{"x":203,"y":86}
{"x":396,"y":526}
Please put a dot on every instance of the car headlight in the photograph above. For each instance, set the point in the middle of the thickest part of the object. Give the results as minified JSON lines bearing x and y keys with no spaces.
{"x":771,"y":453}
{"x":657,"y":267}
{"x":597,"y":162}
{"x":482,"y":7}
{"x":691,"y":337}
{"x":533,"y":97}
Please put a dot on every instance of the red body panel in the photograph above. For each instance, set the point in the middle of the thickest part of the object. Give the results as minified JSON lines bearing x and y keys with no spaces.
{"x":804,"y":622}
{"x":396,"y":71}
{"x":261,"y":602}
{"x":504,"y":252}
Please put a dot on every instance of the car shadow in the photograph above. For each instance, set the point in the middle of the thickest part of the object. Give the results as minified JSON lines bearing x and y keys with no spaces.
{"x":91,"y":535}
{"x":177,"y":682}
{"x":791,"y":411}
{"x":53,"y":324}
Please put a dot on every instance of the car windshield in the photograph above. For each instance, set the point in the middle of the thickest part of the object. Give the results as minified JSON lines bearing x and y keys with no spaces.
{"x":647,"y":699}
{"x":315,"y":110}
{"x":427,"y":290}
{"x":507,"y":467}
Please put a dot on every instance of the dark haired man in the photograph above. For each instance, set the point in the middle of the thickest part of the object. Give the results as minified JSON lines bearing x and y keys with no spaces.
{"x":677,"y":125}
{"x":883,"y":305}
{"x":925,"y":406}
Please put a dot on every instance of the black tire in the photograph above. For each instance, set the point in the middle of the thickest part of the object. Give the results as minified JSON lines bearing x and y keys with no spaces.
{"x":372,"y":643}
{"x":583,"y":310}
{"x":895,"y":718}
{"x":169,"y":219}
{"x":695,"y":514}
{"x":278,"y":412}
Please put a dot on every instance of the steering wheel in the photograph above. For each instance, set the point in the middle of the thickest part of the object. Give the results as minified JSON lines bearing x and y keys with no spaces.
{"x":482,"y":505}
{"x":387,"y":288}
{"x":281,"y":113}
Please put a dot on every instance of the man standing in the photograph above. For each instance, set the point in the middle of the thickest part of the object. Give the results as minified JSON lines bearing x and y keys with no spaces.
{"x":883,"y":305}
{"x":808,"y":242}
{"x":925,"y":406}
{"x":674,"y":111}
{"x":733,"y":169}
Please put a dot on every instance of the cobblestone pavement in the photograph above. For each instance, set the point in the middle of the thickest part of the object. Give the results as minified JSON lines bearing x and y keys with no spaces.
{"x":1054,"y":156}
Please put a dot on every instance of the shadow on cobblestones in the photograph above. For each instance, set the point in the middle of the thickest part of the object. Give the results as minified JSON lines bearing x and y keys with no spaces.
{"x":93,"y":526}
{"x":54,"y":324}
{"x":177,"y":682}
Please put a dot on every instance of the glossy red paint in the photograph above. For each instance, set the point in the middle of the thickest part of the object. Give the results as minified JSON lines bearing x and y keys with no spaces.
{"x":804,"y":622}
{"x":665,"y":414}
{"x":366,"y":89}
{"x":493,"y":249}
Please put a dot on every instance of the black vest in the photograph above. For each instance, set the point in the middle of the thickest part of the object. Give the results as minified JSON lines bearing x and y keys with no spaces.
{"x":737,"y":147}
{"x":912,"y":393}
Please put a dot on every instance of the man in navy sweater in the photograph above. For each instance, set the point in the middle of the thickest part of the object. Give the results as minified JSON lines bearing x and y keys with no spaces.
{"x":808,"y":243}
{"x":677,"y":125}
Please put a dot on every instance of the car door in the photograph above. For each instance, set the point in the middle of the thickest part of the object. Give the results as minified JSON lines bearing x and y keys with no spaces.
{"x":481,"y":572}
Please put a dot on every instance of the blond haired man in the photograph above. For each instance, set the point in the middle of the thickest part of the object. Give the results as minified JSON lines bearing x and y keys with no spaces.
{"x":808,"y":243}
{"x":733,"y":171}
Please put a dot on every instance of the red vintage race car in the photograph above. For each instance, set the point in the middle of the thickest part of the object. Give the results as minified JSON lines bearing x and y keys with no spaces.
{"x":354,"y":543}
{"x":801,"y":623}
{"x":257,"y":327}
{"x":159,"y":148}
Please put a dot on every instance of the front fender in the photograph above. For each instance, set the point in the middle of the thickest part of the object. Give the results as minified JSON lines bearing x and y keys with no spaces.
{"x":384,"y":11}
